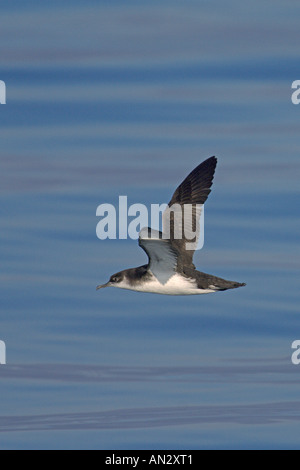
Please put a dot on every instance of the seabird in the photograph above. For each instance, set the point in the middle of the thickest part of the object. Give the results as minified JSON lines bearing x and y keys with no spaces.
{"x":170,"y":269}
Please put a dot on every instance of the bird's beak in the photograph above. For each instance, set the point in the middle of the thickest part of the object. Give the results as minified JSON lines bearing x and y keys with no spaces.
{"x":103,"y":285}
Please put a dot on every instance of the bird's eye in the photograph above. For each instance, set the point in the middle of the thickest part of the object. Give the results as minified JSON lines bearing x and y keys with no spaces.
{"x":114,"y":279}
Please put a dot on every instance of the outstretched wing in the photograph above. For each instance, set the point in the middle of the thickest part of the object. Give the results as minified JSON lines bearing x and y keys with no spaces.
{"x":181,"y":220}
{"x":161,"y":254}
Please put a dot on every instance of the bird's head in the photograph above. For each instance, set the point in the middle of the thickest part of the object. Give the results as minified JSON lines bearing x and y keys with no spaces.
{"x":115,"y":281}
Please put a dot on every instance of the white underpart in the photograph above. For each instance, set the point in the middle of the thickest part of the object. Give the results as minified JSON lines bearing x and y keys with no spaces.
{"x":162,"y":257}
{"x":176,"y":285}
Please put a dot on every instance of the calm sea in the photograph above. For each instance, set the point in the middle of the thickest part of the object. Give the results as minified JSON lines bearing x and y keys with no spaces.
{"x":126,"y":98}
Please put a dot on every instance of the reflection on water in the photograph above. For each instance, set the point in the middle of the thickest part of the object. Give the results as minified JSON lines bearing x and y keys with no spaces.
{"x":99,"y":106}
{"x":257,"y":414}
{"x":273,"y":373}
{"x":270,"y":372}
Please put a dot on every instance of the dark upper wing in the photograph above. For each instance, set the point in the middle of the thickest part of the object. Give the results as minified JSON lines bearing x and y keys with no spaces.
{"x":192,"y":193}
{"x":196,"y":187}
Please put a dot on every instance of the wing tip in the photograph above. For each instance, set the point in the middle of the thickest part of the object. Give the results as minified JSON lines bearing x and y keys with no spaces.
{"x":212,"y":160}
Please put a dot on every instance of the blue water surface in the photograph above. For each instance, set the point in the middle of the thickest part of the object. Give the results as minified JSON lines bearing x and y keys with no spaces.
{"x":113,"y":98}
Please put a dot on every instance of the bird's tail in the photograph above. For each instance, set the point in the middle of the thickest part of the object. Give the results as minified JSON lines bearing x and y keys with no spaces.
{"x":222,"y":284}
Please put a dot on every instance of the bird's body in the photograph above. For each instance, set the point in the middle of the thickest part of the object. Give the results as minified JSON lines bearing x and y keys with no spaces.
{"x":187,"y":282}
{"x":170,"y":270}
{"x":175,"y":285}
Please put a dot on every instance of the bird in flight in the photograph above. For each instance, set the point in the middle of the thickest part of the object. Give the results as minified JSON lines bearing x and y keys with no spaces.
{"x":170,"y":269}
